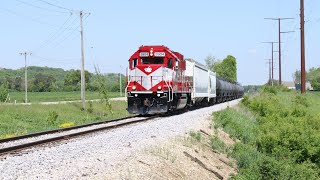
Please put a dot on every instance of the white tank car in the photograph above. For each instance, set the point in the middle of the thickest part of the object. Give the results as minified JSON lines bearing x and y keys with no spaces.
{"x":202,"y":81}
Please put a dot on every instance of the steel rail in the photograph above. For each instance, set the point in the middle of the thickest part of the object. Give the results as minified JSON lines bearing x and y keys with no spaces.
{"x":15,"y":148}
{"x":60,"y":130}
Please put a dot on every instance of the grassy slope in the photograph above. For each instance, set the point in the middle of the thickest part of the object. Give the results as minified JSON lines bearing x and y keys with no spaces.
{"x":19,"y":119}
{"x":280,"y":136}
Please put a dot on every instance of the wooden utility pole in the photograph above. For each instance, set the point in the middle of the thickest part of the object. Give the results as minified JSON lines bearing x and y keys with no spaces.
{"x":279,"y":32}
{"x":83,"y":80}
{"x":270,"y":67}
{"x":272,"y":51}
{"x":120,"y":82}
{"x":25,"y":54}
{"x":303,"y":66}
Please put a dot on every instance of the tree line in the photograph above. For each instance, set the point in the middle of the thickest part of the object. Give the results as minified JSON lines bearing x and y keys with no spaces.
{"x":46,"y":79}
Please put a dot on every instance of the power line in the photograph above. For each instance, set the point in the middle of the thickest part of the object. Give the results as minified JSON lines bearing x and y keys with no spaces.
{"x":28,"y":18}
{"x":67,"y":36}
{"x":32,"y":5}
{"x":57,"y":33}
{"x":57,"y":6}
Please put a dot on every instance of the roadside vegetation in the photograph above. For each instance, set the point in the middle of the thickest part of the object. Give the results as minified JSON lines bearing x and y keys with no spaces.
{"x":21,"y":119}
{"x":278,"y":133}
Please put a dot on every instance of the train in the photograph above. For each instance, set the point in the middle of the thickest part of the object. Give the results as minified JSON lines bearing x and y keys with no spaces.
{"x":161,"y":80}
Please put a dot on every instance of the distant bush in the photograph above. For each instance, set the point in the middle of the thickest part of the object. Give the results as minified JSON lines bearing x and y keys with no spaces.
{"x":275,"y":89}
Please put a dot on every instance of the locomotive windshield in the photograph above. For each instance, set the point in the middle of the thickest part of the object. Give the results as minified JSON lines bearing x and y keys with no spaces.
{"x":155,"y":60}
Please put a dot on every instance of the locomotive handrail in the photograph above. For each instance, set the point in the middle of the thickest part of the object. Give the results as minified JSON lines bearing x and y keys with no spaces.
{"x":126,"y":89}
{"x":169,"y":86}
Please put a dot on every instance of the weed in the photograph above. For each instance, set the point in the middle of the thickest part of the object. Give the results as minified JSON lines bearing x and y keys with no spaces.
{"x":103,"y":90}
{"x":196,"y":136}
{"x":52,"y":117}
{"x":218,"y":145}
{"x":90,"y":108}
{"x":163,"y":152}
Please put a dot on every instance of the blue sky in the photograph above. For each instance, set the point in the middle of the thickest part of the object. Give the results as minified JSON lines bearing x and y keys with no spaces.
{"x":115,"y":29}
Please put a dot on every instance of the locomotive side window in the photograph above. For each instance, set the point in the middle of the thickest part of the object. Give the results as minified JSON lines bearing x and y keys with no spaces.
{"x":134,"y":62}
{"x":170,"y":63}
{"x":152,"y":60}
{"x":177,"y":64}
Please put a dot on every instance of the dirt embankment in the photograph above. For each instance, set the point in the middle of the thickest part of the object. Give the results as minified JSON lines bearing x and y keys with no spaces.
{"x":186,"y":157}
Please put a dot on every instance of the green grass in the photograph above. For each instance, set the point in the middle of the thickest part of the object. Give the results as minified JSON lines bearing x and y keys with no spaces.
{"x":279,"y":134}
{"x":22,"y":119}
{"x":34,"y":97}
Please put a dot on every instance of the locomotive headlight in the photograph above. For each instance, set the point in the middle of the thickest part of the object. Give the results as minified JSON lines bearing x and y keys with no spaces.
{"x":134,"y":87}
{"x":158,"y":95}
{"x":159,"y":87}
{"x":136,"y":95}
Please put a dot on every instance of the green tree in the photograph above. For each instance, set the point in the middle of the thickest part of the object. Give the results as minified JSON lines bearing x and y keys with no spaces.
{"x":226,"y":69}
{"x":18,"y":84}
{"x":43,"y":83}
{"x":297,"y":77}
{"x":314,"y":77}
{"x":72,"y":80}
{"x":210,"y":61}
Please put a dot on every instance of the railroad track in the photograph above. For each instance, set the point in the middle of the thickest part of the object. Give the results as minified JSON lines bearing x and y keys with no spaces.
{"x":16,"y":144}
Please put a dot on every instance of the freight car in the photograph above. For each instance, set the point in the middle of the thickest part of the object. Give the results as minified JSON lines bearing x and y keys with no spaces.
{"x":161,"y":80}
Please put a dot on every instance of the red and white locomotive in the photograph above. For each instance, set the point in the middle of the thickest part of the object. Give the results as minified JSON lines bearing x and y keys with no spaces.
{"x":161,"y":80}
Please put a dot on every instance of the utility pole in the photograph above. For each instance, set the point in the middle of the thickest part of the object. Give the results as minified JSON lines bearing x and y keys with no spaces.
{"x":279,"y":31}
{"x":120,"y":82}
{"x":272,"y":51}
{"x":25,"y":54}
{"x":270,"y":67}
{"x":303,"y":66}
{"x":83,"y":79}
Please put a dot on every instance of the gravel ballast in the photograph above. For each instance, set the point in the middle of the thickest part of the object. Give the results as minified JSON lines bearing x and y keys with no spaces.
{"x":96,"y":155}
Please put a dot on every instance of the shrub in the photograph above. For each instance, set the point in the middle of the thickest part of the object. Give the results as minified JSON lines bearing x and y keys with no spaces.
{"x":301,"y":100}
{"x":245,"y":101}
{"x":281,"y":142}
